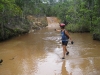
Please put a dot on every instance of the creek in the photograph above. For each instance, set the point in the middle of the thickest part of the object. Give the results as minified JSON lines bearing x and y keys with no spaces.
{"x":40,"y":52}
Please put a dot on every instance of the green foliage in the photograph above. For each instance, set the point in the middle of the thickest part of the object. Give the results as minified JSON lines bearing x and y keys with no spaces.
{"x":77,"y":28}
{"x":9,"y":7}
{"x":82,"y":15}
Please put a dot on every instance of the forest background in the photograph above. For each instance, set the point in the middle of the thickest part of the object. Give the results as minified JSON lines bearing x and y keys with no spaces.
{"x":81,"y":15}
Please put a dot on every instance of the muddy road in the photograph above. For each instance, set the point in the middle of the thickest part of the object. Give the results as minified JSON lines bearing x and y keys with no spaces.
{"x":40,"y":52}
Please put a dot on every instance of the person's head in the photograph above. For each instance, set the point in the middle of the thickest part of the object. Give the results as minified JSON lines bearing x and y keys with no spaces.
{"x":62,"y":25}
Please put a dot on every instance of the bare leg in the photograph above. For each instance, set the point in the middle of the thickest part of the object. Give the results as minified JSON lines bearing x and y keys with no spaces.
{"x":66,"y":48}
{"x":65,"y":52}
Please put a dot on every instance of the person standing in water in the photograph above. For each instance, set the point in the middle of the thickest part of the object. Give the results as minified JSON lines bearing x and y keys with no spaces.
{"x":65,"y":38}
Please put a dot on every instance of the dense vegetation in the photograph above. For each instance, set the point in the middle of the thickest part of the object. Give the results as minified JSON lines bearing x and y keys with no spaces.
{"x":13,"y":16}
{"x":82,"y":15}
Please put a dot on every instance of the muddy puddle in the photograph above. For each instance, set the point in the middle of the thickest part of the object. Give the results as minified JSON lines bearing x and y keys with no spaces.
{"x":40,"y":53}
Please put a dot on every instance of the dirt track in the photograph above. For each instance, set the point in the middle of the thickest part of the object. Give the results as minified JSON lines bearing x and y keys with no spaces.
{"x":40,"y":53}
{"x":53,"y":22}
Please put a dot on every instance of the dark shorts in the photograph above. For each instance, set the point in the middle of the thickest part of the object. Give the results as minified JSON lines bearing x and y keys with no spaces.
{"x":64,"y":43}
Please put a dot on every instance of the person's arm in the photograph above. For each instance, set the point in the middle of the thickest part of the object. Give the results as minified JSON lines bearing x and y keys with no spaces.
{"x":57,"y":30}
{"x":66,"y":32}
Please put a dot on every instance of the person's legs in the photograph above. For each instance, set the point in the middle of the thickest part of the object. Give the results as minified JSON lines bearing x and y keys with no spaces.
{"x":64,"y":50}
{"x":67,"y":52}
{"x":64,"y":45}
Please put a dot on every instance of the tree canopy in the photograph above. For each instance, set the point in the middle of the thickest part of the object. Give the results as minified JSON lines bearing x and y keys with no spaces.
{"x":82,"y":15}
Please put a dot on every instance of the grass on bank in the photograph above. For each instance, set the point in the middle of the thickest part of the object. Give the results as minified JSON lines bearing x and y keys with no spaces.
{"x":78,"y":28}
{"x":84,"y":28}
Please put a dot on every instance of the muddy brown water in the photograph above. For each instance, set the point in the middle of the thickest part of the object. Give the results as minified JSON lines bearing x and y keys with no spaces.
{"x":40,"y":52}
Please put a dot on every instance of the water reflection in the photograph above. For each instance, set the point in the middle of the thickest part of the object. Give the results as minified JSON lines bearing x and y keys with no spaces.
{"x":64,"y":69}
{"x":39,"y":53}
